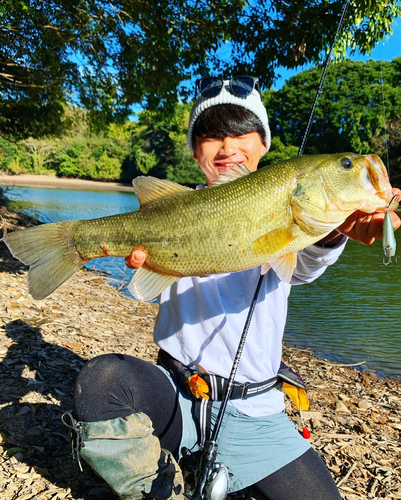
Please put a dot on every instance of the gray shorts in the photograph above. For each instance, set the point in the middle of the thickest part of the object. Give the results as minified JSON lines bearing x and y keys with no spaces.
{"x":251,"y":447}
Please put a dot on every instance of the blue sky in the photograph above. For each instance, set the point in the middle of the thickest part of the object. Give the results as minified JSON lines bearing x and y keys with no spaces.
{"x":385,"y":50}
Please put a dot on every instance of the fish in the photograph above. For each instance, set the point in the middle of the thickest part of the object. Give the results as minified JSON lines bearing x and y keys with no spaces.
{"x":263,"y":218}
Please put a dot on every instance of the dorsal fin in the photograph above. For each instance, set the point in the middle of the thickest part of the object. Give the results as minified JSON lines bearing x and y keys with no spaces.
{"x":238,"y":170}
{"x":150,"y":188}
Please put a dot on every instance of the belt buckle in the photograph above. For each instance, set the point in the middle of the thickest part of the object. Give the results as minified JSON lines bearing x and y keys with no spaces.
{"x":244,"y":394}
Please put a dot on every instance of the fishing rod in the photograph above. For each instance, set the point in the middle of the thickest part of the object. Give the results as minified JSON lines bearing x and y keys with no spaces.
{"x":212,"y":481}
{"x":322,"y":79}
{"x":389,"y":241}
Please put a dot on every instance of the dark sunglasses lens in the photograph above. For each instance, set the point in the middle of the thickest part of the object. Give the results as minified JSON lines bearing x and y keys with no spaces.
{"x":210,"y":87}
{"x":242,"y":86}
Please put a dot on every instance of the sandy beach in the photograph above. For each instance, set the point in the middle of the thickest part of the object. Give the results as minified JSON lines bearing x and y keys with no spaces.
{"x":50,"y":181}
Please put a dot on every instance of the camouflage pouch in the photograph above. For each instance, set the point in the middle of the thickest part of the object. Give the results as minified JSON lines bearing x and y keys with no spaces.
{"x":126,"y":454}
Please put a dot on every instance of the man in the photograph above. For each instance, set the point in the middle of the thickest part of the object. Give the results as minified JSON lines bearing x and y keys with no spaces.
{"x":128,"y":408}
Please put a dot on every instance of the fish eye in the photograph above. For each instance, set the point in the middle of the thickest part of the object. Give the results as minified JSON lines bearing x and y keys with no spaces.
{"x":346,"y":163}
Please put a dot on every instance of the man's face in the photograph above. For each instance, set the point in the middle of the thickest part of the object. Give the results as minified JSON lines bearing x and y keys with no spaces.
{"x":217,"y":155}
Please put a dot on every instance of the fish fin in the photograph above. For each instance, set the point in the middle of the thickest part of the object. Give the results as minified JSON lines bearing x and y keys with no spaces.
{"x":265,"y":269}
{"x":284,"y":266}
{"x":238,"y":170}
{"x":50,"y":254}
{"x":147,"y":285}
{"x":274,"y":241}
{"x":150,"y":188}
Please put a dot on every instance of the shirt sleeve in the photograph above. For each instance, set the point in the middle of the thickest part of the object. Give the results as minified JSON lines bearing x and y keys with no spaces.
{"x":314,"y":260}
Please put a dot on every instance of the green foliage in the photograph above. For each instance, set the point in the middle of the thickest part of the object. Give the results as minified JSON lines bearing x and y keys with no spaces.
{"x":146,"y":146}
{"x":160,"y":148}
{"x":91,"y":157}
{"x":357,"y":100}
{"x":278,"y":152}
{"x":351,"y":116}
{"x":13,"y":158}
{"x":107,"y":55}
{"x":144,"y":161}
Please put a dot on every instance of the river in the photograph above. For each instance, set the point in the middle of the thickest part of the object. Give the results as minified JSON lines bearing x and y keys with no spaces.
{"x":349,"y":315}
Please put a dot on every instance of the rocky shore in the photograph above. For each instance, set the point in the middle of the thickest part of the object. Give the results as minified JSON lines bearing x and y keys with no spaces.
{"x":354,"y":418}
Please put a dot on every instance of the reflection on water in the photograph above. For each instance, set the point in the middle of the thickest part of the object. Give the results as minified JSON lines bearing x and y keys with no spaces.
{"x":53,"y":205}
{"x":60,"y":204}
{"x":350,"y":314}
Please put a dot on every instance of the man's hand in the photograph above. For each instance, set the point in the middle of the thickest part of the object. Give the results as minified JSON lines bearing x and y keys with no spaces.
{"x":135,"y":259}
{"x":367,"y":228}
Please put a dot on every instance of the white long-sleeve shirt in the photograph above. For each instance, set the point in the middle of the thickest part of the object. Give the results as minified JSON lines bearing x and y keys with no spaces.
{"x":200,"y":322}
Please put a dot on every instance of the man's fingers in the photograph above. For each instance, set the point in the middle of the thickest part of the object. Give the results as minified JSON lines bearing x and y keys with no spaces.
{"x":396,"y":220}
{"x":135,"y":259}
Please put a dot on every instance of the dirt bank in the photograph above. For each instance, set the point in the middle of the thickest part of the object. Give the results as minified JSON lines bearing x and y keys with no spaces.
{"x":354,"y":419}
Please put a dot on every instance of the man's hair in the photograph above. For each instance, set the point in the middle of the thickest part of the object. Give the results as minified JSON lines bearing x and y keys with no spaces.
{"x":227,"y":120}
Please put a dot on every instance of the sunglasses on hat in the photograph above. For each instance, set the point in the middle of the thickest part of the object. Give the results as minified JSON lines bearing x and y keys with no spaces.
{"x":240,"y":86}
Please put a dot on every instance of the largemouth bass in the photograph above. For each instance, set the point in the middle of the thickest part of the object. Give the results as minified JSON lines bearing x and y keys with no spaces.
{"x":260,"y":219}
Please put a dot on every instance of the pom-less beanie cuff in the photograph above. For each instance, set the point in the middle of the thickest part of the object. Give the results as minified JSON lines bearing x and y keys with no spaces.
{"x":253,"y":103}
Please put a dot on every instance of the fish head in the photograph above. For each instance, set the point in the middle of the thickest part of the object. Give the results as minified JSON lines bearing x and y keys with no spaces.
{"x":332,"y":187}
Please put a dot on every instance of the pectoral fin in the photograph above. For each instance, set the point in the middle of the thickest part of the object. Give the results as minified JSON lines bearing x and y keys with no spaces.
{"x":284,"y":266}
{"x":274,"y":241}
{"x":147,"y":285}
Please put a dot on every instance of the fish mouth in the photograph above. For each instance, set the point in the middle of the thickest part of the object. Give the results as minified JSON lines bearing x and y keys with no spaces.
{"x":374,"y":177}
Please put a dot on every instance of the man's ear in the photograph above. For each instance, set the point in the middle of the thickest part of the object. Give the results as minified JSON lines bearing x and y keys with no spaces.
{"x":263,"y":150}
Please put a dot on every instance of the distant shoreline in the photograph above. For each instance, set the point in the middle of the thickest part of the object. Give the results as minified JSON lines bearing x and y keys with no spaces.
{"x":53,"y":182}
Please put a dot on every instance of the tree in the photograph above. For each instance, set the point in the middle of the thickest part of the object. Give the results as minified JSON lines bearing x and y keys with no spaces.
{"x":160,"y":147}
{"x":359,"y":102}
{"x":107,"y":55}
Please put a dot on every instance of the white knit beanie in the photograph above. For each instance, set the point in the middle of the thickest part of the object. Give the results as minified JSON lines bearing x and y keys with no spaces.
{"x":253,"y":103}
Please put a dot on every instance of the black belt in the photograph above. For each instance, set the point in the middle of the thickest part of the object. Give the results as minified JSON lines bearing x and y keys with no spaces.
{"x":215,"y":383}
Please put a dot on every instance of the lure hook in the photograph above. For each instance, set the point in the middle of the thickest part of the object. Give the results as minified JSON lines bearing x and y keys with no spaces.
{"x":389,"y":260}
{"x":395,"y":197}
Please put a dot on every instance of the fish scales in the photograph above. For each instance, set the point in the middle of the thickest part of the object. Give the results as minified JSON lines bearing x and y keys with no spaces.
{"x":188,"y":237}
{"x":263,"y":218}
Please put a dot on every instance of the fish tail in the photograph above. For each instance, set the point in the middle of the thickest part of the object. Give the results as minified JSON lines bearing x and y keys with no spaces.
{"x":50,"y":252}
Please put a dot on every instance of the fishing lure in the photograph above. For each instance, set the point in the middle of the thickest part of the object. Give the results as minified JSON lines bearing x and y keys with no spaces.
{"x":389,"y":242}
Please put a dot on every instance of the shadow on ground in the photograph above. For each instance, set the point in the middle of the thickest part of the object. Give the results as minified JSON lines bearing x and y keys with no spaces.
{"x":37,"y":380}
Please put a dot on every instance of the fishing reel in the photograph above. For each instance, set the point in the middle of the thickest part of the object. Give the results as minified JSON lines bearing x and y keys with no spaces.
{"x":216,"y":487}
{"x":205,"y":480}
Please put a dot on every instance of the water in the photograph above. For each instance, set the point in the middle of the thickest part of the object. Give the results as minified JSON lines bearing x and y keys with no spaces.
{"x":349,"y":315}
{"x":54,"y":205}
